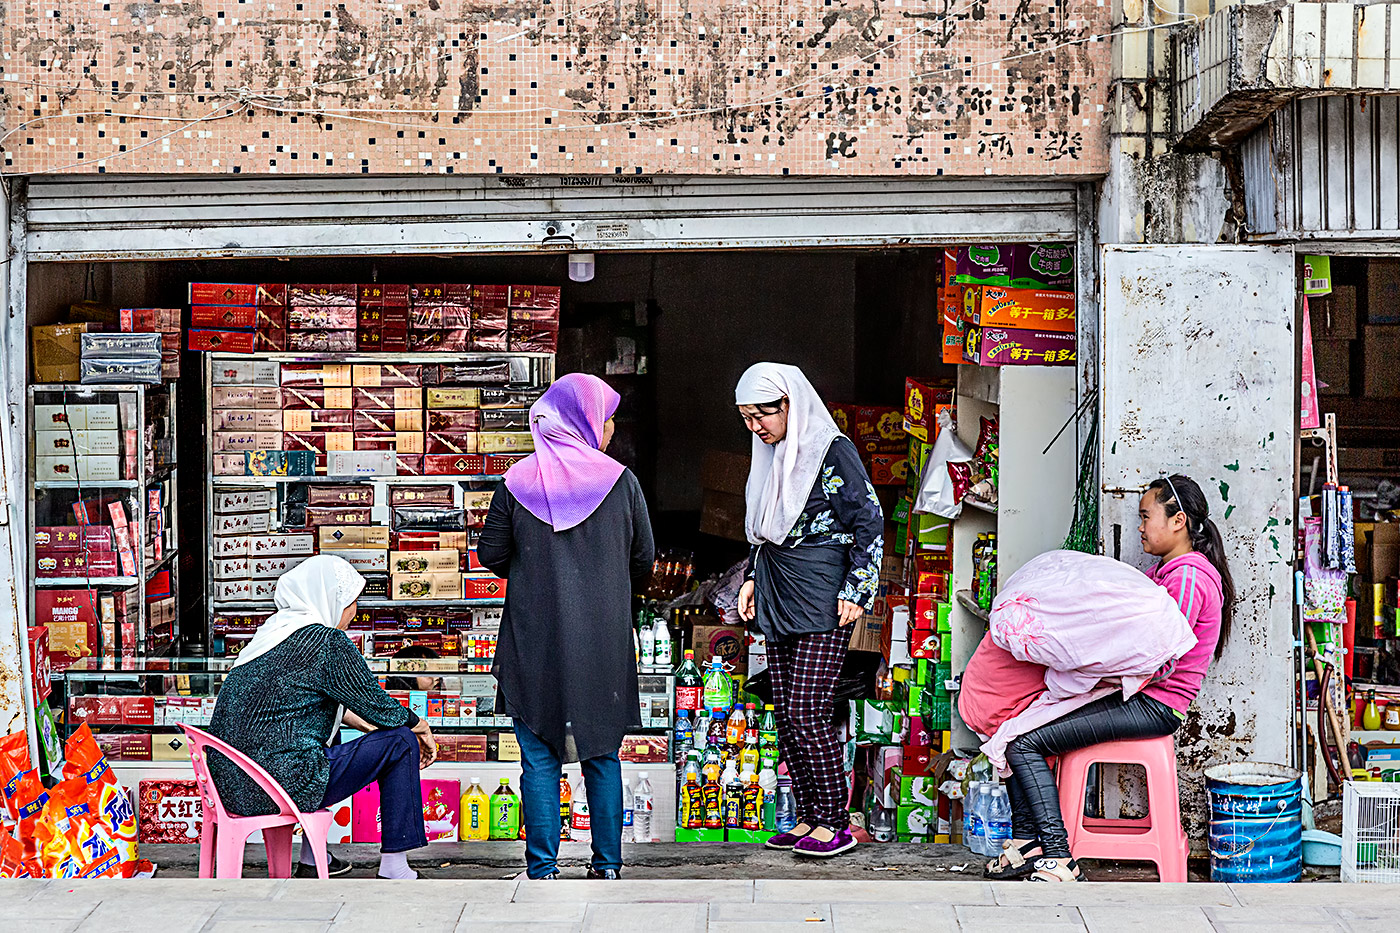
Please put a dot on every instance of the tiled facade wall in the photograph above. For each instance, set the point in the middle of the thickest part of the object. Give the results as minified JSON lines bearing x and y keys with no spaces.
{"x":801,"y":87}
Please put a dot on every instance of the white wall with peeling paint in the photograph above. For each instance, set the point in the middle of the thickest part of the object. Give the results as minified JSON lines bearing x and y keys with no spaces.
{"x":13,"y":669}
{"x":1199,"y":378}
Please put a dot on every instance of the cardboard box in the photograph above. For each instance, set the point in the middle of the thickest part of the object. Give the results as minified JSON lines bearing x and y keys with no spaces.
{"x":730,"y":642}
{"x":56,"y":351}
{"x":426,"y":585}
{"x":483,"y":586}
{"x":1025,"y":309}
{"x":227,"y":501}
{"x":1383,"y":291}
{"x":505,"y":442}
{"x":246,"y":419}
{"x":169,"y":811}
{"x":224,"y":317}
{"x":1385,"y":551}
{"x":265,"y":397}
{"x":361,"y":463}
{"x":724,"y":472}
{"x":873,"y":428}
{"x":77,"y":467}
{"x":453,"y":465}
{"x":424,"y":561}
{"x":1334,"y":316}
{"x":283,"y":545}
{"x":450,"y":442}
{"x":222,"y":341}
{"x":63,"y":442}
{"x":922,"y":402}
{"x":342,"y":397}
{"x":223,"y":293}
{"x":437,"y":397}
{"x":317,"y":375}
{"x":335,"y":537}
{"x":401,"y":419}
{"x":1001,"y":346}
{"x":1332,"y":366}
{"x":245,"y":373}
{"x":371,"y":560}
{"x":1382,"y":347}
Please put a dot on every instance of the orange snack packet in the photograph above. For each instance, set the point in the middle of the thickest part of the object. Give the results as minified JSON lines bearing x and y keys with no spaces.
{"x":12,"y":862}
{"x":108,"y":800}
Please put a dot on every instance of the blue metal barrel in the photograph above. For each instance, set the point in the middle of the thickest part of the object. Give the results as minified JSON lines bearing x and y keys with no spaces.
{"x":1256,"y":822}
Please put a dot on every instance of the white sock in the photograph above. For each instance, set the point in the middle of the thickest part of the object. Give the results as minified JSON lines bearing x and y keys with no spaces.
{"x":395,"y":865}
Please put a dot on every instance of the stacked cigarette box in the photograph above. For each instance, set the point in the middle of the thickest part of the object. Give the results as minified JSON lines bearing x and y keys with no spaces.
{"x":78,"y":442}
{"x":321,"y":318}
{"x":245,"y":413}
{"x":120,"y":358}
{"x":223,"y":316}
{"x":440,"y":318}
{"x":534,"y":318}
{"x":163,"y":321}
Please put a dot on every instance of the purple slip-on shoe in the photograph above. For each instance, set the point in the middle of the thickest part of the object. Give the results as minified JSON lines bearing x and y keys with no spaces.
{"x":843,"y":841}
{"x":784,"y":841}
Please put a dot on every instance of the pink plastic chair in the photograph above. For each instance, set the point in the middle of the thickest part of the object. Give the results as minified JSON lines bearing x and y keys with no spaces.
{"x":224,"y":836}
{"x":1157,"y":837}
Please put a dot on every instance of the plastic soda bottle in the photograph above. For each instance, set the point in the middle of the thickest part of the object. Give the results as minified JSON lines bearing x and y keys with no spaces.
{"x":719,"y":687}
{"x":751,"y":717}
{"x":642,"y":805}
{"x":692,"y":801}
{"x":768,"y":736}
{"x":712,"y":767}
{"x":685,"y":734}
{"x":998,"y":821}
{"x":647,"y":639}
{"x":718,"y":730}
{"x":733,"y":801}
{"x":566,"y":808}
{"x":712,"y":796}
{"x":749,"y":757}
{"x":505,"y":812}
{"x":737,"y":725}
{"x":476,"y":813}
{"x":752,"y":816}
{"x":689,"y":684}
{"x":580,"y":825}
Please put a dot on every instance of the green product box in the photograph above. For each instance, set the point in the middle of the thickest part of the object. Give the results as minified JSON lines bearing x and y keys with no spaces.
{"x":940,"y":715}
{"x":923,"y":672}
{"x":912,"y":837}
{"x":914,"y":702}
{"x":945,"y":618}
{"x":915,"y":789}
{"x":942,"y":673}
{"x":877,"y":722}
{"x":933,"y":531}
{"x":755,"y":837}
{"x":916,"y":819}
{"x":699,"y":835}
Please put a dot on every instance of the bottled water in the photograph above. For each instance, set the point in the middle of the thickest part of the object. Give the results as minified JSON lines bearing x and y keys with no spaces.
{"x":974,"y":816}
{"x":642,"y":805}
{"x":785,"y":805}
{"x":998,"y":821}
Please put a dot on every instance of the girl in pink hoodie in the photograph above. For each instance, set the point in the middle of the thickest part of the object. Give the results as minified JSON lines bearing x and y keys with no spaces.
{"x":1175,"y":527}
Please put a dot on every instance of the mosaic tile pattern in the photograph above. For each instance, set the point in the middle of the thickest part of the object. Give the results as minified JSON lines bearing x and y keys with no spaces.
{"x":802,"y":87}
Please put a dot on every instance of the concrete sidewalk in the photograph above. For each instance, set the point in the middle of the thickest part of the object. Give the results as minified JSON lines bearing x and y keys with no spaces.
{"x":708,"y":906}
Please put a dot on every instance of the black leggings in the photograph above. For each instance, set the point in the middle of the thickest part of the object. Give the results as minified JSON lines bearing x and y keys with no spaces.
{"x":1035,"y":800}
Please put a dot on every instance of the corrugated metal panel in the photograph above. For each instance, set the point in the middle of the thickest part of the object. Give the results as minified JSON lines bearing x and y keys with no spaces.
{"x":1234,"y":436}
{"x":140,"y":218}
{"x":1326,"y":166}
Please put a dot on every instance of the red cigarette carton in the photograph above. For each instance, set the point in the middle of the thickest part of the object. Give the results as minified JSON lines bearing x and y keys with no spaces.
{"x":222,"y":293}
{"x":223,"y":316}
{"x":223,"y":341}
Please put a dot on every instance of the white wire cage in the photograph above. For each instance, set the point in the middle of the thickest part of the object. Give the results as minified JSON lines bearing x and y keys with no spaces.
{"x":1371,"y":832}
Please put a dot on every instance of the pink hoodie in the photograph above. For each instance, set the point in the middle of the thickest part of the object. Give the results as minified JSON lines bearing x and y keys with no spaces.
{"x":1194,"y":583}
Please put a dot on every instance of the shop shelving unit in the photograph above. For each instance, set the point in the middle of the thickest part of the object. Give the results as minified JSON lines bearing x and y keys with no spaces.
{"x":133,"y":402}
{"x":1035,"y":496}
{"x":534,"y":369}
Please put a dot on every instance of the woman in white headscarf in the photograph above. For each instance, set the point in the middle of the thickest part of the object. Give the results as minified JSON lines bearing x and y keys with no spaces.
{"x":285,"y":698}
{"x":816,"y":529}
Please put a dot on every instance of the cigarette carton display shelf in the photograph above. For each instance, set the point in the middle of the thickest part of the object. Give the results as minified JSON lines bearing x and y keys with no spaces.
{"x":103,"y":520}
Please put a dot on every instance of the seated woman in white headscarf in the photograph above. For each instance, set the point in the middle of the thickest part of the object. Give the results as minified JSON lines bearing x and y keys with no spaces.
{"x":284,"y":701}
{"x":816,"y":531}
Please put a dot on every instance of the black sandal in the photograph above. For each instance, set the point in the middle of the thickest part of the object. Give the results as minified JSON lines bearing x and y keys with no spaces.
{"x":1017,"y":859}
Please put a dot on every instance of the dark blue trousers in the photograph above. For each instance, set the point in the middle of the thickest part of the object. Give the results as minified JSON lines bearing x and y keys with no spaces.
{"x":389,"y":756}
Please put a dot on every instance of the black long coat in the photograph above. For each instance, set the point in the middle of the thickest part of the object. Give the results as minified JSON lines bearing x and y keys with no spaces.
{"x":565,"y":661}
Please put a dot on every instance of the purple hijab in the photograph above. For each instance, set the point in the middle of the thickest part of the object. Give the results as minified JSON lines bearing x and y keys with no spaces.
{"x":567,"y":477}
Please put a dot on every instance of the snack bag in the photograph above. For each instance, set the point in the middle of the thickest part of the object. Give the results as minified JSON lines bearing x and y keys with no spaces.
{"x":10,"y":771}
{"x":57,"y":857}
{"x":12,"y":861}
{"x":29,"y":800}
{"x":108,"y":800}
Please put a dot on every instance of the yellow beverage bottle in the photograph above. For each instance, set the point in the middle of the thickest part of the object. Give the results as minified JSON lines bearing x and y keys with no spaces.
{"x":476,"y":813}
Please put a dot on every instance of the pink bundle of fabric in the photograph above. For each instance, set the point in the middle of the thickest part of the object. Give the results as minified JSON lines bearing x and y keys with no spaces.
{"x":1098,"y":625}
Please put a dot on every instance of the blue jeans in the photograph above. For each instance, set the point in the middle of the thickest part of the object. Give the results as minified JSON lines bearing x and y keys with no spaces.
{"x":539,"y":795}
{"x":389,"y":756}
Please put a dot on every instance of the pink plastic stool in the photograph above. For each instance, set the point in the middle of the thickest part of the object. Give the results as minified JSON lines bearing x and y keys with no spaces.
{"x":1157,"y":837}
{"x":223,"y":836}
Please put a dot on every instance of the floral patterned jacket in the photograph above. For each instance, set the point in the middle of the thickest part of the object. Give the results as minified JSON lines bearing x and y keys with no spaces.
{"x":843,"y":509}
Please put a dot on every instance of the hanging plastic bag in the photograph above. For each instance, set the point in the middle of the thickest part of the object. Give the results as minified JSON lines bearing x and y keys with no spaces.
{"x":936,"y":494}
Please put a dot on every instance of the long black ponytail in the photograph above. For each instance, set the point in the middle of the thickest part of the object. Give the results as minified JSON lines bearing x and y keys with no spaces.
{"x":1180,"y":493}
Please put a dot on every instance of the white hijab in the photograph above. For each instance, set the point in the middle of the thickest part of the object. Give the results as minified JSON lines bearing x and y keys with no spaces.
{"x":315,"y":592}
{"x":781,"y":476}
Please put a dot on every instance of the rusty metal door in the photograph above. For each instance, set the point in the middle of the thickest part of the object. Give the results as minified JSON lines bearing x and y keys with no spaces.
{"x":1198,"y":376}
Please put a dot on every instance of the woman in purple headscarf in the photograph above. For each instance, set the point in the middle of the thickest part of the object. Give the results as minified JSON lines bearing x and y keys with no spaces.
{"x":569,"y":529}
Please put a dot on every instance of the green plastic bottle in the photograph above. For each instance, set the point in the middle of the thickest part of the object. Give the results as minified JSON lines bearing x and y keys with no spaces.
{"x":719,"y":687}
{"x":505,"y":812}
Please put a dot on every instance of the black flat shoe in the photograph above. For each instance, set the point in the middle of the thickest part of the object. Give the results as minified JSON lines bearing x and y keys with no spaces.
{"x":607,"y":874}
{"x":335,"y":869}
